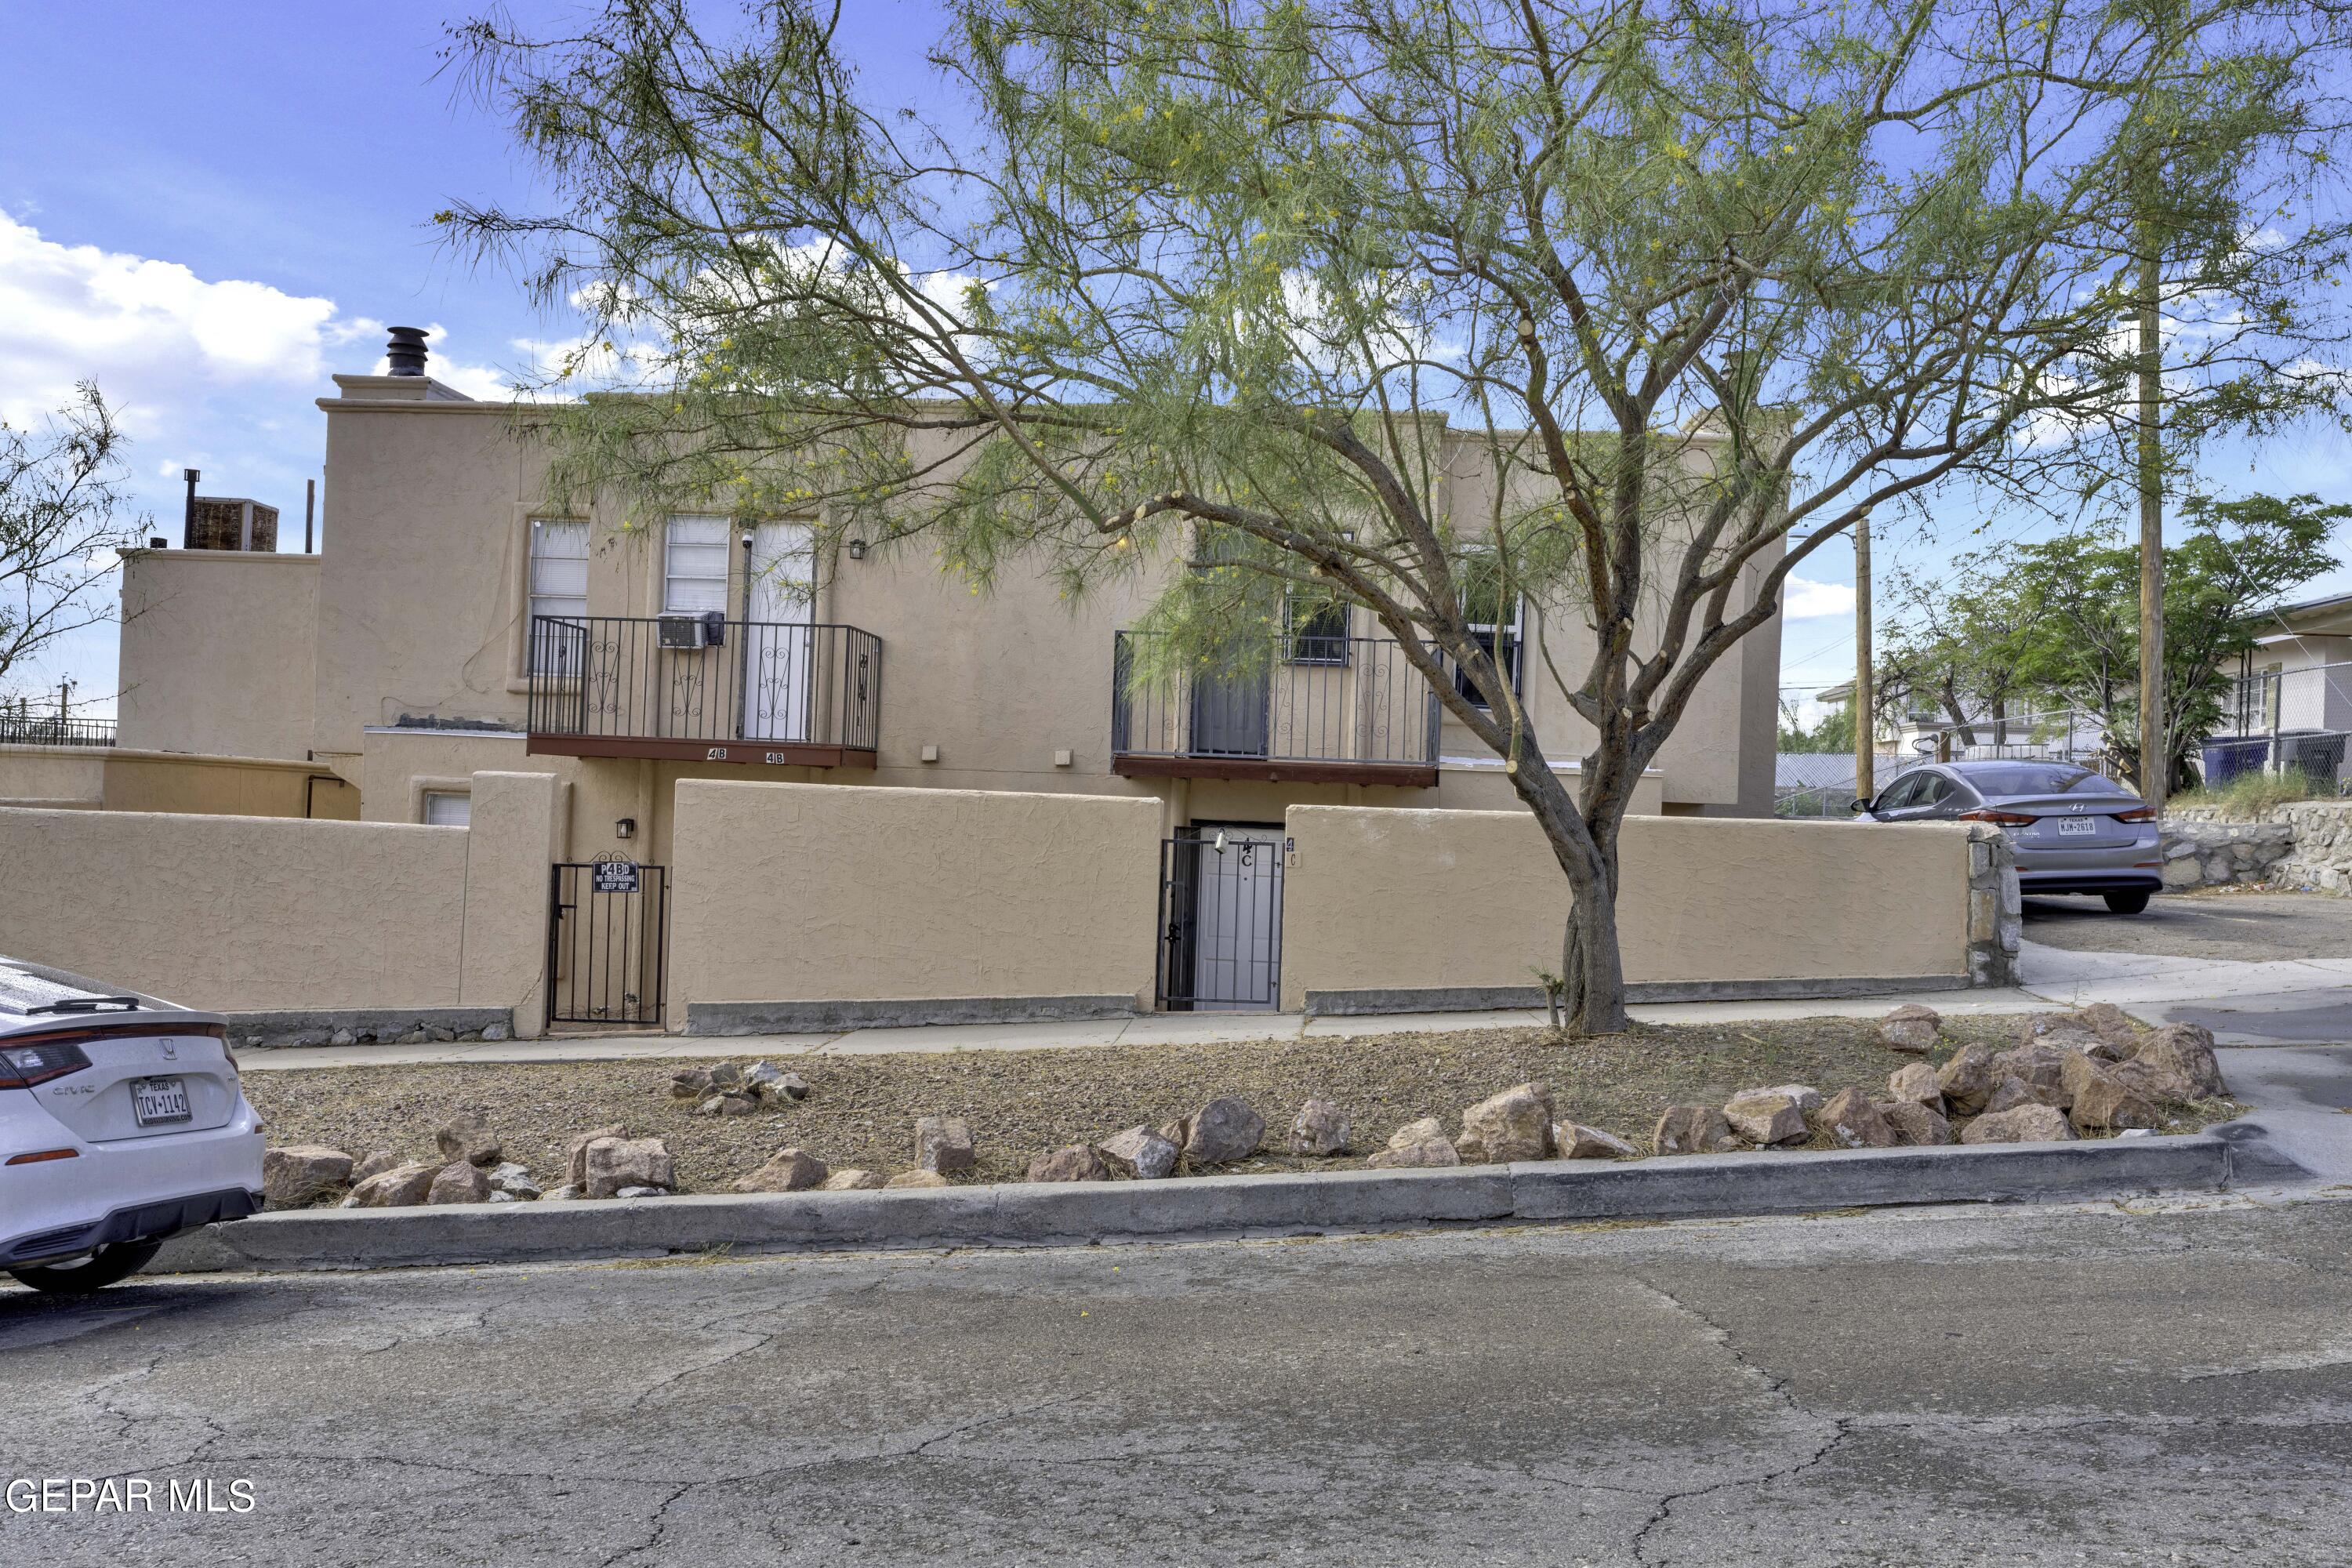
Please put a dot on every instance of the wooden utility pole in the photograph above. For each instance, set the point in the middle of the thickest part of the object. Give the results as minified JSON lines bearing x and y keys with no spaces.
{"x":1865,"y":725}
{"x":2154,"y":757}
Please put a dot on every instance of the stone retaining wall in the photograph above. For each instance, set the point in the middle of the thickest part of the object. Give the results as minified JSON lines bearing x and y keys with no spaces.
{"x":2306,"y":844}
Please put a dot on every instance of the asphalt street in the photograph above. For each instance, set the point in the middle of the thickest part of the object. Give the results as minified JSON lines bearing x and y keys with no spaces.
{"x":2166,"y":1383}
{"x":2261,"y":927}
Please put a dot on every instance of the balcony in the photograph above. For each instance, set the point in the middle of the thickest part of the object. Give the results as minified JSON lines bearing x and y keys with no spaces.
{"x":19,"y":726}
{"x":1320,"y":708}
{"x":704,"y":688}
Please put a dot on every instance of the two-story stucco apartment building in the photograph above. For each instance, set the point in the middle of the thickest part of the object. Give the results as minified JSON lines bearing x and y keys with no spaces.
{"x":453,"y":623}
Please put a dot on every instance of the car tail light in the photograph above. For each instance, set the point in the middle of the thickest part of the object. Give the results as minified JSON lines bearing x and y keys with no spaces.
{"x":22,"y":1067}
{"x":2139,"y":814}
{"x":2006,"y":818}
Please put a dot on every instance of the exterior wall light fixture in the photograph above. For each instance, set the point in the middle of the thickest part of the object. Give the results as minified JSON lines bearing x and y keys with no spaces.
{"x":857,"y":550}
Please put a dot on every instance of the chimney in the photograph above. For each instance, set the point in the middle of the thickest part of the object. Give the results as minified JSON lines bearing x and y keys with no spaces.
{"x":407,"y":351}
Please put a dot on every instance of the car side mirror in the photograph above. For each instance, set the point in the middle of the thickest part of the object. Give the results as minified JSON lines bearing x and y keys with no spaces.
{"x":1861,"y":808}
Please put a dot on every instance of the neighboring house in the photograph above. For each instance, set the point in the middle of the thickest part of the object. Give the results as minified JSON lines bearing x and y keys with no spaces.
{"x":2293,"y":695}
{"x":1919,"y":725}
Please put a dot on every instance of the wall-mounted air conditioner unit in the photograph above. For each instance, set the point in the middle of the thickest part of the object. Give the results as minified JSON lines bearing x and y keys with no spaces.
{"x":681,"y":631}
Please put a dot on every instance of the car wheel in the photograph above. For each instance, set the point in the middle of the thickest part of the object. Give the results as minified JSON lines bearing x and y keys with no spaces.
{"x":2127,"y":903}
{"x":96,"y":1272}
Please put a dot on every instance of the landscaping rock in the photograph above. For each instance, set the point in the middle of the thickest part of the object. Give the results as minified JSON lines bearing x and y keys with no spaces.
{"x":851,"y":1181}
{"x":763,"y":1078}
{"x":643,"y":1193}
{"x":565,"y":1194}
{"x":2042,"y":1066}
{"x":376,"y":1164}
{"x":1513,"y":1125}
{"x":943,"y":1143}
{"x":690,"y":1083}
{"x":2010,"y":1093}
{"x":301,"y":1174}
{"x":575,"y":1163}
{"x":2184,"y":1052}
{"x":1914,"y":1083}
{"x":1967,"y":1079}
{"x":465,"y":1136}
{"x":2062,"y":1031}
{"x":1077,"y":1162}
{"x":459,"y":1182}
{"x":2098,"y":1101}
{"x":1808,"y":1098}
{"x":725,"y":1075}
{"x":793,"y":1086}
{"x":740,"y":1102}
{"x":1910,"y":1029}
{"x":787,"y":1171}
{"x":512,"y":1180}
{"x":1915,"y":1125}
{"x":342,"y":1037}
{"x":1575,"y":1140}
{"x":2031,"y":1123}
{"x":1140,"y":1152}
{"x":1417,"y":1143}
{"x":1765,"y":1116}
{"x":919,"y":1179}
{"x":1692,"y":1130}
{"x":496,"y":1032}
{"x":613,"y":1164}
{"x":403,"y":1185}
{"x":2113,"y":1026}
{"x":1225,"y":1128}
{"x":1852,"y":1121}
{"x":1321,"y":1128}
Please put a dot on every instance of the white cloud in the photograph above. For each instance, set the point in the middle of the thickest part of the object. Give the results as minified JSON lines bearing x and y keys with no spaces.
{"x":1803,"y":599}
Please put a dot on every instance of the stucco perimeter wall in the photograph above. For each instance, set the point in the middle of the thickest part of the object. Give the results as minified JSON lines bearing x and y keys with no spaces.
{"x":792,"y":893}
{"x":259,"y":914}
{"x":1462,"y":901}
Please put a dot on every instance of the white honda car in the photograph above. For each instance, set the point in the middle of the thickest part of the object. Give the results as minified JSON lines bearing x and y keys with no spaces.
{"x":122,"y":1122}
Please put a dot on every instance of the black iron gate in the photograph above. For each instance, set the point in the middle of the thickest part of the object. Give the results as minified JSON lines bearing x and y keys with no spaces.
{"x":607,"y":943}
{"x":1221,"y":919}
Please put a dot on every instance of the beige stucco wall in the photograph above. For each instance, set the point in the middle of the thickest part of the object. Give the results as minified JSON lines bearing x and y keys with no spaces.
{"x":1385,"y":899}
{"x":239,"y":913}
{"x":813,"y":893}
{"x":60,"y":777}
{"x":421,"y":612}
{"x":216,"y":649}
{"x":113,"y":779}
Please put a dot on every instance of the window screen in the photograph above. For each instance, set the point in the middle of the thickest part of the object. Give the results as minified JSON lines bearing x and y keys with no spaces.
{"x":694,"y":576}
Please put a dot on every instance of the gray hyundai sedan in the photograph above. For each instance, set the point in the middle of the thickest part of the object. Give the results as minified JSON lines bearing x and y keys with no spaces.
{"x":2075,"y":831}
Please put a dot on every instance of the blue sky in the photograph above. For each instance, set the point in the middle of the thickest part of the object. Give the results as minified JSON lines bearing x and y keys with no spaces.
{"x":209,"y":208}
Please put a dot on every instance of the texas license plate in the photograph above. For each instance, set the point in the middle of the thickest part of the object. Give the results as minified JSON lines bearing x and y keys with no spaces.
{"x":2071,"y":826}
{"x":157,"y":1101}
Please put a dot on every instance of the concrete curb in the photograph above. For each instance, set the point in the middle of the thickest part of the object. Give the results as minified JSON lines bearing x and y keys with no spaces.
{"x":1028,"y":1214}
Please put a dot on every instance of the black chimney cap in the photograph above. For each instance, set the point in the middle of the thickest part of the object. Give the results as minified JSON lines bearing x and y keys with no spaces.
{"x":407,"y":351}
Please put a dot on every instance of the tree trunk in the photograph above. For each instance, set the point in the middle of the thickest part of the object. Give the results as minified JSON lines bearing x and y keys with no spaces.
{"x":1590,"y":961}
{"x":1584,"y":842}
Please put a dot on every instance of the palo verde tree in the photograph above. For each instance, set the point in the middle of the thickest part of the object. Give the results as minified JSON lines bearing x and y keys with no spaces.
{"x":1226,"y":281}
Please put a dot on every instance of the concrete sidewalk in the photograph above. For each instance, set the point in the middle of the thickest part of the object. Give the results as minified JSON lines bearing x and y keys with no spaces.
{"x":1144,"y":1029}
{"x":2301,"y":1001}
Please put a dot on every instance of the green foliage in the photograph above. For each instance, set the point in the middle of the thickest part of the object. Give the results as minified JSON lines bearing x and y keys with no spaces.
{"x":2253,"y":796}
{"x":1833,"y":733}
{"x":2075,"y":603}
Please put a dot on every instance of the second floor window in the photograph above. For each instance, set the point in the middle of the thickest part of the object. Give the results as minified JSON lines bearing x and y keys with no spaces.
{"x":558,"y":586}
{"x":1494,"y":625}
{"x":1318,"y":632}
{"x":694,"y":566}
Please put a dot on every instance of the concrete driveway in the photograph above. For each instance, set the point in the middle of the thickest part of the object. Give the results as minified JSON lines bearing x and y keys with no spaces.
{"x":2255,"y":968}
{"x":2117,"y":1384}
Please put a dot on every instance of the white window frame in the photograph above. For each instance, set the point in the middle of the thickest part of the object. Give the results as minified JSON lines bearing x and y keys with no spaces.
{"x":538,"y":597}
{"x":700,"y":579}
{"x":424,"y":802}
{"x":1492,"y":630}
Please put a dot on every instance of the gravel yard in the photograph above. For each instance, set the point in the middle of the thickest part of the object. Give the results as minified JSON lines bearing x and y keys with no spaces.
{"x":861,"y":1111}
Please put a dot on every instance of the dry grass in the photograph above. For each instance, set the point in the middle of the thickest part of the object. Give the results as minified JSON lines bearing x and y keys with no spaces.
{"x":861,"y":1111}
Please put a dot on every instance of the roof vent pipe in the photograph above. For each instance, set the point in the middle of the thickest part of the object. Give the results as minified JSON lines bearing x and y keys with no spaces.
{"x":407,"y":351}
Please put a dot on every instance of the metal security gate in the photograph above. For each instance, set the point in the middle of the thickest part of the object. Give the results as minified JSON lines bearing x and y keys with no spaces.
{"x":607,"y":943}
{"x":1221,"y":919}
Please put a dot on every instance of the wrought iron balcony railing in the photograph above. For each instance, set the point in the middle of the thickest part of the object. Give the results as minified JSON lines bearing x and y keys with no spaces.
{"x":1320,"y":707}
{"x":21,"y":727}
{"x":705,"y":689}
